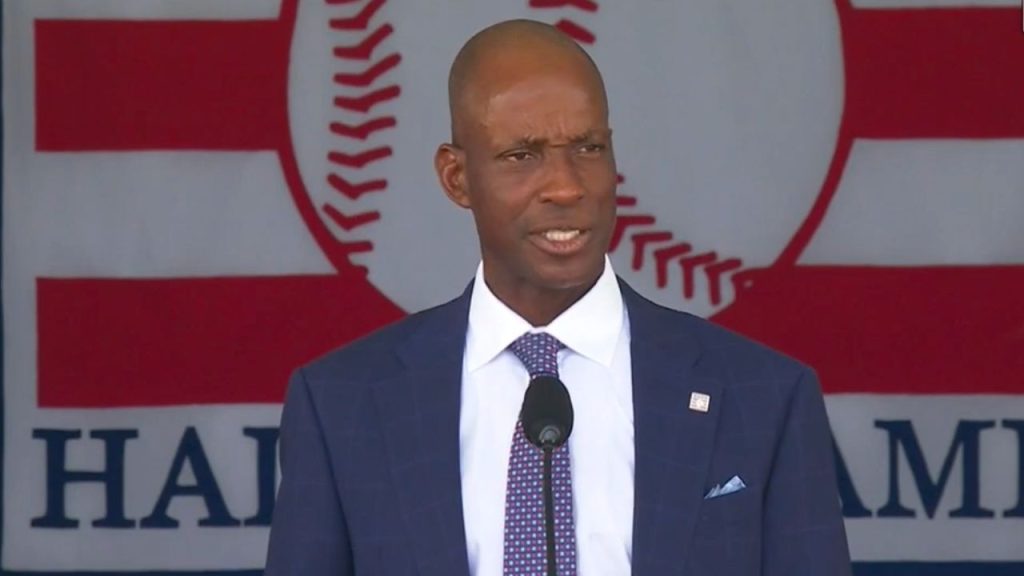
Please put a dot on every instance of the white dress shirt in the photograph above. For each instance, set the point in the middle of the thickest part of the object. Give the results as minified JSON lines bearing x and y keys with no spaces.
{"x":595,"y":367}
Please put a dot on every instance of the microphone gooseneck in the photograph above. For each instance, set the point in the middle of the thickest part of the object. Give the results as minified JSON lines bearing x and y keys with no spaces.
{"x":549,"y":515}
{"x":547,"y":419}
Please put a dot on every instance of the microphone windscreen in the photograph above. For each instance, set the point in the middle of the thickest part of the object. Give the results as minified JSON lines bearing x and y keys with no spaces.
{"x":547,"y":413}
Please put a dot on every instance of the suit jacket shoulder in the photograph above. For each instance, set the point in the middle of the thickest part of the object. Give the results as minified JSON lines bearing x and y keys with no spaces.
{"x":370,"y":456}
{"x":737,"y":356}
{"x":380,"y":353}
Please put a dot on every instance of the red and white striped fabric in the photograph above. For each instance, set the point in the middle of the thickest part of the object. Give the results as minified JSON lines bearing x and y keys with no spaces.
{"x":199,"y":195}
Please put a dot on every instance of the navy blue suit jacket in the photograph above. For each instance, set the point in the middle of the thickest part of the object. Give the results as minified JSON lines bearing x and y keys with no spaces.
{"x":370,"y":455}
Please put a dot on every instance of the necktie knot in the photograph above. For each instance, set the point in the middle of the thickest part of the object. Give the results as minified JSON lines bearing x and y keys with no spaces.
{"x":538,"y":351}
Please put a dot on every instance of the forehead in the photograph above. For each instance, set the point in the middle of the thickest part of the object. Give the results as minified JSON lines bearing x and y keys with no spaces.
{"x":541,"y":105}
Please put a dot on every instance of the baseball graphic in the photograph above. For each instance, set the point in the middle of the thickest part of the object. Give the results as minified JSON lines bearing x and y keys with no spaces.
{"x":746,"y":135}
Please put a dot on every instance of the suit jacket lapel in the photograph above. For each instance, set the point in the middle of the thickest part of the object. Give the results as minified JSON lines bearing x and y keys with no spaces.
{"x":673,"y":443}
{"x":419,"y":412}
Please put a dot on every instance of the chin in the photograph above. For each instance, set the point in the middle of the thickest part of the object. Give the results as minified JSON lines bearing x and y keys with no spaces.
{"x":563,"y":277}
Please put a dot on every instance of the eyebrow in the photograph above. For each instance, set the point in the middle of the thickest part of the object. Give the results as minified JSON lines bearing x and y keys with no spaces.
{"x":533,"y":141}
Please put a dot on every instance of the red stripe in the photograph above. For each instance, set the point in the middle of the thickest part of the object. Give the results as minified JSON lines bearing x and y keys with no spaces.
{"x":948,"y":330}
{"x":934,"y":73}
{"x":121,"y":343}
{"x":127,"y":85}
{"x":922,"y":73}
{"x":131,"y":85}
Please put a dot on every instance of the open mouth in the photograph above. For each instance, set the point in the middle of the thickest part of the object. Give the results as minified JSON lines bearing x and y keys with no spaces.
{"x":561,"y":241}
{"x":561,"y":235}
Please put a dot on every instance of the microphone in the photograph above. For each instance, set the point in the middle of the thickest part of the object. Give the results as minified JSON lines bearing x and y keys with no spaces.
{"x":547,"y":422}
{"x":547,"y":412}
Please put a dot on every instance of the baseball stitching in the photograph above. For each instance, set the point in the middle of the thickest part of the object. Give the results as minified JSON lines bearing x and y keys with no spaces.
{"x":359,"y":93}
{"x":641,"y":227}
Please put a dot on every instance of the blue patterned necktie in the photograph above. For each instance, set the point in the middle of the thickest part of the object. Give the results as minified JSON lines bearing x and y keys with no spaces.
{"x":525,"y":544}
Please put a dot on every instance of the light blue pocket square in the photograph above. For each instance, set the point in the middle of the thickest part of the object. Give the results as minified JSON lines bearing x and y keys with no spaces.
{"x":735,"y":484}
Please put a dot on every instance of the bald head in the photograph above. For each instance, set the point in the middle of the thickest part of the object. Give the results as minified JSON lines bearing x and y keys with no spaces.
{"x":505,"y":53}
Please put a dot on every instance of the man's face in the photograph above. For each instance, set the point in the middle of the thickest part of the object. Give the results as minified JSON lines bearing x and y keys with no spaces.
{"x":540,"y":179}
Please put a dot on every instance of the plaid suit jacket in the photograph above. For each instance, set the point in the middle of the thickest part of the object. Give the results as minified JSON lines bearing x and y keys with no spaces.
{"x":370,"y":455}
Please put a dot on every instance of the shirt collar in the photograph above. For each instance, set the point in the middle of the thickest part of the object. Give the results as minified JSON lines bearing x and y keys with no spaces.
{"x":590,"y":327}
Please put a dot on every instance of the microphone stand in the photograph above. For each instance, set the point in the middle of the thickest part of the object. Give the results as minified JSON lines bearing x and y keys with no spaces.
{"x":549,"y":510}
{"x":547,"y":422}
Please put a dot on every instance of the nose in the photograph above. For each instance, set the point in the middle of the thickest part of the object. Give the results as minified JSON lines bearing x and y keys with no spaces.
{"x":564,"y":183}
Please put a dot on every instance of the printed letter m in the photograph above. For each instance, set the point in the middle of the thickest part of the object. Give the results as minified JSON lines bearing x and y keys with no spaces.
{"x":966,"y":440}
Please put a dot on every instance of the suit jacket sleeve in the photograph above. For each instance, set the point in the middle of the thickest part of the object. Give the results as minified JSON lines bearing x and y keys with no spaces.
{"x":803,"y":524}
{"x":309,"y":536}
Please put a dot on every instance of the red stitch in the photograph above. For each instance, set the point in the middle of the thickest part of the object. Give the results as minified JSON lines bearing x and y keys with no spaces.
{"x":586,"y":5}
{"x":354,"y":191}
{"x":363,"y":103}
{"x":363,"y":131}
{"x":623,"y":222}
{"x":714,"y":273}
{"x":575,"y":31}
{"x":349,"y":222}
{"x":360,"y":159}
{"x":688,"y":265}
{"x":714,"y":270}
{"x":349,"y":248}
{"x":361,"y":20}
{"x":663,"y":256}
{"x":642,"y":240}
{"x":677,"y":252}
{"x":367,"y":77}
{"x":366,"y":102}
{"x":364,"y":49}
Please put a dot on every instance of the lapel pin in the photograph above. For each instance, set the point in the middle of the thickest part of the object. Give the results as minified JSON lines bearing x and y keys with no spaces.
{"x":699,"y":402}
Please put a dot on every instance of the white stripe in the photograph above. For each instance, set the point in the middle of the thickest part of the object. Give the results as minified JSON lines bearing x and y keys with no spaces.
{"x":158,"y":214}
{"x":865,"y":449}
{"x":926,"y":202}
{"x":149,"y":9}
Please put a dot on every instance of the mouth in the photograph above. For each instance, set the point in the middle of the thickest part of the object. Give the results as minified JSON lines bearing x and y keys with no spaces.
{"x":561,"y":241}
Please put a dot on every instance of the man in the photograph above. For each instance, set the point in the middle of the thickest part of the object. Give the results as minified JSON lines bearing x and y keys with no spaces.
{"x":694,"y":450}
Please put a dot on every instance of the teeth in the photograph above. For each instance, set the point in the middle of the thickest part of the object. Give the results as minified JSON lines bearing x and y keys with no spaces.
{"x":561,"y":235}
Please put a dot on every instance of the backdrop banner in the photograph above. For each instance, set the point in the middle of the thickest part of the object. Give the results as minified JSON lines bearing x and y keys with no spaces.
{"x":200,"y":195}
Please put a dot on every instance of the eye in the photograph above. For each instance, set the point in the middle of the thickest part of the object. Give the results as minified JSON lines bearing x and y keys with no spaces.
{"x":591,"y":148}
{"x":518,"y":156}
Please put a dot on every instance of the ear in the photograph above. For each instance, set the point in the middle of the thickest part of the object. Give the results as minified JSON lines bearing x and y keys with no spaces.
{"x":450,"y":164}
